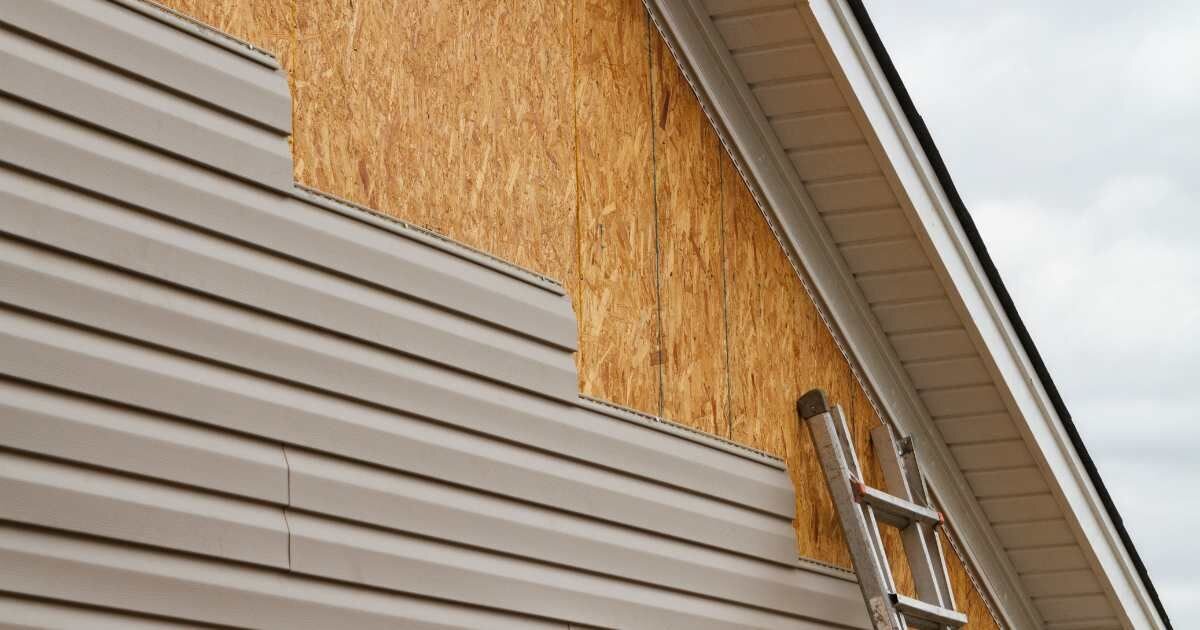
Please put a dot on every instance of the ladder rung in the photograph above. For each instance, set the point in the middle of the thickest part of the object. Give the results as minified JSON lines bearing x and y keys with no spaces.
{"x":917,"y":612}
{"x":892,"y":509}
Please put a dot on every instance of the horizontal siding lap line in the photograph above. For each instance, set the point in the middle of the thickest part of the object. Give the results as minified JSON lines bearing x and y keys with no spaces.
{"x":306,"y":347}
{"x":38,"y":612}
{"x":63,"y":496}
{"x":626,"y":414}
{"x":147,"y":333}
{"x":108,"y":169}
{"x":408,"y":230}
{"x":85,"y":92}
{"x":779,"y":594}
{"x":139,"y":442}
{"x":186,"y":65}
{"x":342,"y":551}
{"x":103,"y":573}
{"x":217,"y":267}
{"x":199,"y":29}
{"x":645,"y":504}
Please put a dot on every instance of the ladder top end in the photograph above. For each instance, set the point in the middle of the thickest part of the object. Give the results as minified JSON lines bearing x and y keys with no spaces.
{"x":812,"y":403}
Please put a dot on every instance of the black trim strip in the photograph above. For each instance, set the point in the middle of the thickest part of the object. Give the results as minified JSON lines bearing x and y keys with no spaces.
{"x":1006,"y":301}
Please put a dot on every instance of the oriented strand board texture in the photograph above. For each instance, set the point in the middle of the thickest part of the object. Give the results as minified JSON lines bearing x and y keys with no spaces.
{"x":616,"y":301}
{"x":687,"y":185}
{"x":966,"y":597}
{"x":458,"y":116}
{"x":561,"y":135}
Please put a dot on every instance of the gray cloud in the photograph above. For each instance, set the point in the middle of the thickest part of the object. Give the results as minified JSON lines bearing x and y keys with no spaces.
{"x":1073,"y":133}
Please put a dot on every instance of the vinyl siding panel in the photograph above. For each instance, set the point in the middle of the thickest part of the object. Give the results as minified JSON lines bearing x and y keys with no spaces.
{"x":225,"y":400}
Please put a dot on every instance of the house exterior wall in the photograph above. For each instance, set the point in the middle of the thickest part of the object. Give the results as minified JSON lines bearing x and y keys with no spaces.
{"x":561,"y":135}
{"x":227,"y":401}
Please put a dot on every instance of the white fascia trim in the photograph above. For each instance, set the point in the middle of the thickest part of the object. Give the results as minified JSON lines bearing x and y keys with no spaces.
{"x":977,"y":297}
{"x":726,"y":97}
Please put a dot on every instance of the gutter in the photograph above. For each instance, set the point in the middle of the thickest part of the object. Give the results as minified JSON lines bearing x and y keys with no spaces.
{"x":1006,"y":302}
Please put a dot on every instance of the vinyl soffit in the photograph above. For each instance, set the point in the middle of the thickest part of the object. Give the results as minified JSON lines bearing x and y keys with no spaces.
{"x":731,"y":102}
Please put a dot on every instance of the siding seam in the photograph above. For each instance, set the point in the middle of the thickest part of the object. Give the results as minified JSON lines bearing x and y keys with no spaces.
{"x":659,"y":358}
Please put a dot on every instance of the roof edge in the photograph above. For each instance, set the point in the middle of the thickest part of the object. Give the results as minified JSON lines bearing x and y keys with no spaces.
{"x":974,"y":238}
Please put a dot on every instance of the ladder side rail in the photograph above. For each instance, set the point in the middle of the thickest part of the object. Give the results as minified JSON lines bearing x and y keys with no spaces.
{"x":933,"y":542}
{"x":931,"y":585}
{"x":873,"y":577}
{"x":870,"y":514}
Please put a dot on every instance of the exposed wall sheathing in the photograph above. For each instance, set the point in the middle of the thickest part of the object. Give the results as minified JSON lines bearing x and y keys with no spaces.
{"x":687,"y":185}
{"x":616,"y":300}
{"x":560,"y":135}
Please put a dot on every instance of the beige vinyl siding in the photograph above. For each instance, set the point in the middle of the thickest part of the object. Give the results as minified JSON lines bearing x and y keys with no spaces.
{"x":224,"y":400}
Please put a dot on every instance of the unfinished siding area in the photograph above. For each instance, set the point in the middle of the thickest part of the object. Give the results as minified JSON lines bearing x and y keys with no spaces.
{"x":227,"y":401}
{"x":561,"y":135}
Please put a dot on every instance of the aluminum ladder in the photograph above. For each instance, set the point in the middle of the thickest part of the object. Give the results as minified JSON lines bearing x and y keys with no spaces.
{"x":904,"y":506}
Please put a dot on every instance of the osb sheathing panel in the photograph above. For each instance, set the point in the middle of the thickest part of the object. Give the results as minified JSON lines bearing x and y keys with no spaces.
{"x":616,"y":301}
{"x":458,"y":116}
{"x":687,"y":185}
{"x":559,"y":134}
{"x":966,"y":597}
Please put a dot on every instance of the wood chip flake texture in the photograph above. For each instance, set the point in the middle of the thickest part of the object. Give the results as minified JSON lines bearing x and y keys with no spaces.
{"x":687,"y":169}
{"x":617,"y":297}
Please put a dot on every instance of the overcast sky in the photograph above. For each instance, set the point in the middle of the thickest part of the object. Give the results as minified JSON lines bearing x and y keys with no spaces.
{"x":1072,"y":130}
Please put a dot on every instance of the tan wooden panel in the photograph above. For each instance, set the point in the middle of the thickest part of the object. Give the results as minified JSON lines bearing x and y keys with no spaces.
{"x":472,"y":136}
{"x":967,"y":597}
{"x":769,"y":319}
{"x":617,"y":297}
{"x":687,"y":180}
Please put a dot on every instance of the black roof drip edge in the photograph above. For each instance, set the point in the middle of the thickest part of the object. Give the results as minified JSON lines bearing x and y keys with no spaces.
{"x":1006,"y":301}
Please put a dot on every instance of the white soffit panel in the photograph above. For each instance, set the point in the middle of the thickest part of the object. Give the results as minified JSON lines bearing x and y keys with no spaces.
{"x":803,"y":106}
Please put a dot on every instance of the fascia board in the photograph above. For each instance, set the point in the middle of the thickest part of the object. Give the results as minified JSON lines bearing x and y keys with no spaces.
{"x":794,"y":218}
